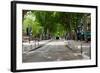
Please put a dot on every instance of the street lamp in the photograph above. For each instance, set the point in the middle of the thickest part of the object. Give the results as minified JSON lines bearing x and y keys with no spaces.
{"x":29,"y":32}
{"x":80,"y":35}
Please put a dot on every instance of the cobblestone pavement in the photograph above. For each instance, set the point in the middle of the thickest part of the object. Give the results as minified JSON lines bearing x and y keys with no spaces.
{"x":55,"y":50}
{"x":80,"y":46}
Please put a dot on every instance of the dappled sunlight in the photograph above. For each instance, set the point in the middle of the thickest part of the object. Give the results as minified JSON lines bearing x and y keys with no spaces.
{"x":56,"y":43}
{"x":55,"y":36}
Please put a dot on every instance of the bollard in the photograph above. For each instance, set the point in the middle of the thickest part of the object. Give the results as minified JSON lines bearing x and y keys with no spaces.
{"x":81,"y":49}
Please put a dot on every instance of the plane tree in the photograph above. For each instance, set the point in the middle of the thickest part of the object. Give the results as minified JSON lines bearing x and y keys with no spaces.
{"x":51,"y":23}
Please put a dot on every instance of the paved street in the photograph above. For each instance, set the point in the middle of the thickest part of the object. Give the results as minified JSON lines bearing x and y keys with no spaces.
{"x":33,"y":45}
{"x":55,"y":50}
{"x":82,"y":46}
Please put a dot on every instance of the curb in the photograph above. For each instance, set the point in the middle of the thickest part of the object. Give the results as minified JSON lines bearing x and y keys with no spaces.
{"x":39,"y":46}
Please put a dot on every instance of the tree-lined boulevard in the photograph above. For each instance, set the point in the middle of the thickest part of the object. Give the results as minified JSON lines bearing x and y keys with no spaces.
{"x":55,"y":36}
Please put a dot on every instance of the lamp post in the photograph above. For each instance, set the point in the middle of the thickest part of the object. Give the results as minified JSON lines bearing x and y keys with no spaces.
{"x":80,"y":35}
{"x":29,"y":32}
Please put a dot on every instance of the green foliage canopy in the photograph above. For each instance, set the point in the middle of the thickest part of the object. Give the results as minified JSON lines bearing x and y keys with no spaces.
{"x":54,"y":23}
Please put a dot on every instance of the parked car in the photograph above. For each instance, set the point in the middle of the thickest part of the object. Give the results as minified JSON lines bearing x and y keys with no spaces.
{"x":87,"y":36}
{"x":84,"y":36}
{"x":57,"y":38}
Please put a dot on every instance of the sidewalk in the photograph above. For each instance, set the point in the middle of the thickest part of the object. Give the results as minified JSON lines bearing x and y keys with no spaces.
{"x":26,"y":46}
{"x":80,"y":47}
